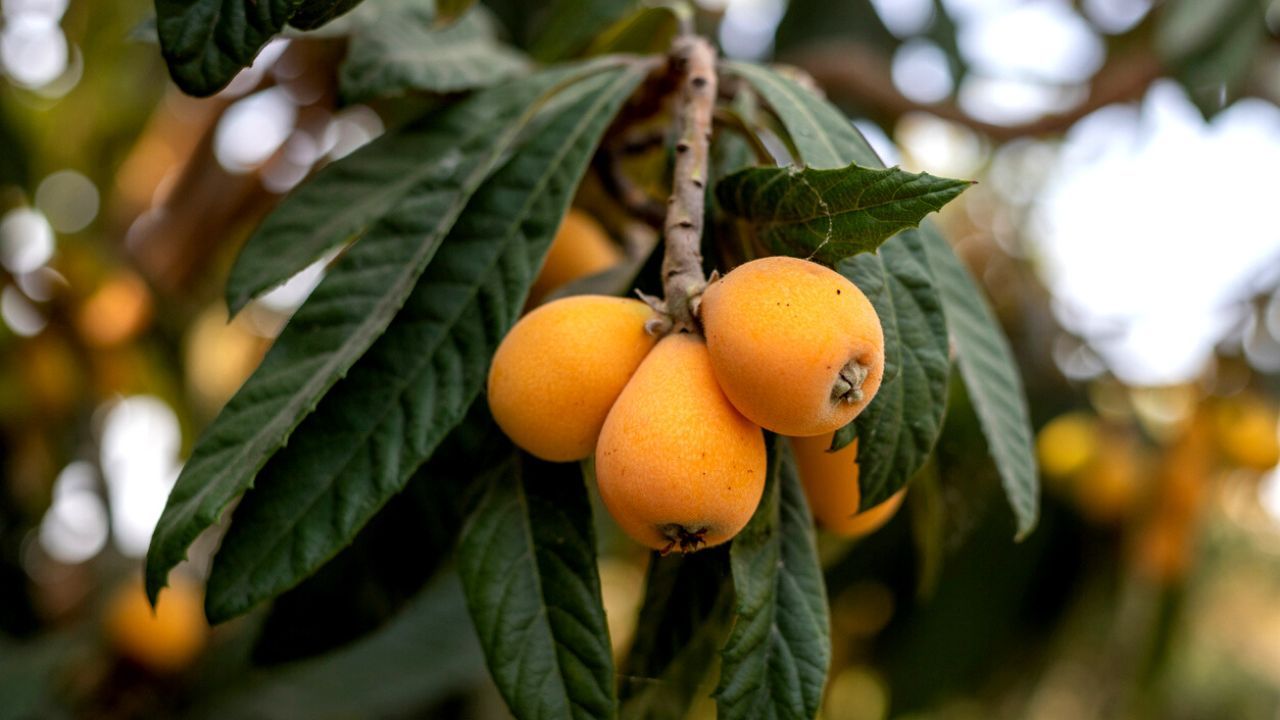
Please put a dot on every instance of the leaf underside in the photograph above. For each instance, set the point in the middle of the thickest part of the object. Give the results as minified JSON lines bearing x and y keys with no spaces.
{"x":898,"y":430}
{"x":527,"y":558}
{"x":385,"y":418}
{"x":991,"y":376}
{"x":774,"y":663}
{"x":684,"y":619}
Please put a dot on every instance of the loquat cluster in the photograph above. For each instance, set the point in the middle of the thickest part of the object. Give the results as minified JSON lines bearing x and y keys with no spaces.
{"x":676,"y":424}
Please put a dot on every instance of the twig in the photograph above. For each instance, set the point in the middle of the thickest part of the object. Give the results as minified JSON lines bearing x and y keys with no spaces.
{"x":682,"y":277}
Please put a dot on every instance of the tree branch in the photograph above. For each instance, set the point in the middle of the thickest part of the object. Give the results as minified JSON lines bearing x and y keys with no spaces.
{"x":694,"y":59}
{"x":853,"y":73}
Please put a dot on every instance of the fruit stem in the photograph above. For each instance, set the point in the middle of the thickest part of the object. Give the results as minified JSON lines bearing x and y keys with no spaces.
{"x":682,"y":278}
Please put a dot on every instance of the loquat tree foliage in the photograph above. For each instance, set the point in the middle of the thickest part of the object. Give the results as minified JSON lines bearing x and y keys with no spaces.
{"x":376,"y":388}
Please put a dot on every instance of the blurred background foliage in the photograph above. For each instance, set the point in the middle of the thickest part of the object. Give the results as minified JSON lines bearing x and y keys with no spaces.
{"x":1122,"y":227}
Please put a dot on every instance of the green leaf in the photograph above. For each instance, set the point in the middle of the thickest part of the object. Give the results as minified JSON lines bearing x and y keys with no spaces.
{"x":828,"y":215}
{"x":401,"y":51}
{"x":775,"y":660}
{"x":311,"y":14}
{"x":528,"y":564}
{"x":349,"y":196}
{"x":897,"y":431}
{"x":683,"y":622}
{"x":1211,"y":47}
{"x":927,"y":508}
{"x":348,"y":310}
{"x":206,"y":42}
{"x":646,"y":30}
{"x":822,"y":135}
{"x":377,"y":425}
{"x":363,"y":585}
{"x":987,"y":365}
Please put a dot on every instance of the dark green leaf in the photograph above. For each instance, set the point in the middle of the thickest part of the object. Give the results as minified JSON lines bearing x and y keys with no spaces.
{"x":346,"y":198}
{"x":206,"y":42}
{"x":828,"y":215}
{"x":823,"y":136}
{"x":991,"y":375}
{"x":647,"y":30}
{"x":348,"y":310}
{"x":360,"y":588}
{"x":774,"y":664}
{"x":683,"y":621}
{"x":311,"y":14}
{"x":898,"y":430}
{"x":401,"y":50}
{"x":384,"y":419}
{"x":14,"y":164}
{"x":425,"y":654}
{"x":527,"y":558}
{"x":1211,"y":47}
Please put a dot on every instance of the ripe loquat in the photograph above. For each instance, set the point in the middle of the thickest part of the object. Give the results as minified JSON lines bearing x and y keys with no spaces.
{"x":581,"y":248}
{"x":560,"y":368}
{"x":798,"y":348}
{"x":830,"y":481}
{"x":164,"y":641}
{"x":678,"y":467}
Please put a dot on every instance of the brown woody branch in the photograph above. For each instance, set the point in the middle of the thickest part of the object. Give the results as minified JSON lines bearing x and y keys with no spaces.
{"x":694,"y":60}
{"x":856,"y":74}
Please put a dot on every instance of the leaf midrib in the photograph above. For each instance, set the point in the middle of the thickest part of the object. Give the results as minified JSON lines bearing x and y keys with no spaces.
{"x":801,"y":218}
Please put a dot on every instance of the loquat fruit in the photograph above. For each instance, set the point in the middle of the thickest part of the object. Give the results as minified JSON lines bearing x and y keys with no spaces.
{"x":560,"y":368}
{"x":678,"y":466}
{"x":830,"y":481}
{"x":1247,"y":433}
{"x":798,"y":348}
{"x":581,"y":248}
{"x":164,"y":641}
{"x":1110,"y":488}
